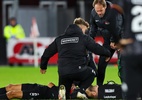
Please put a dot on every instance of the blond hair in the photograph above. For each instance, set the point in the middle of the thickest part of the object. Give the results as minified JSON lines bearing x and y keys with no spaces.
{"x":81,"y":21}
{"x":101,"y":2}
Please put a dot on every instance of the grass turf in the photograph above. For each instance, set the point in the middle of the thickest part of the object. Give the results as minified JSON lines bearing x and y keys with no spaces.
{"x":29,"y":74}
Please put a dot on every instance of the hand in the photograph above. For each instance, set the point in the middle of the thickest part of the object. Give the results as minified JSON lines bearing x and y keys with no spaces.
{"x":126,"y":41}
{"x":42,"y":71}
{"x":107,"y":59}
{"x":112,"y":45}
{"x":13,"y":37}
{"x":50,"y":85}
{"x":122,"y":44}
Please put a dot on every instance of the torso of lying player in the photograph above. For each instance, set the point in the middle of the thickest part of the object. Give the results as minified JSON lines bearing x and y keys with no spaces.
{"x":32,"y":91}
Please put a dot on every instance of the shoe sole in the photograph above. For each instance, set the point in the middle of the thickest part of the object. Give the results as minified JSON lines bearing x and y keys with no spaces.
{"x":62,"y":92}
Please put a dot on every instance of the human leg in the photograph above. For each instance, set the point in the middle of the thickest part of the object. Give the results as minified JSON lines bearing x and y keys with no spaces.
{"x":102,"y":64}
{"x":88,"y":79}
{"x":132,"y":55}
{"x":67,"y":82}
{"x":121,"y":65}
{"x":133,"y":78}
{"x":101,"y":70}
{"x":85,"y":79}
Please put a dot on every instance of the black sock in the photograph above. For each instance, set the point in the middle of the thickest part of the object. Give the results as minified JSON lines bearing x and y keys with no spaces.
{"x":2,"y":90}
{"x":3,"y":96}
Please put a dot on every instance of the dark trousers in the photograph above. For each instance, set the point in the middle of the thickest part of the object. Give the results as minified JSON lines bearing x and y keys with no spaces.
{"x":102,"y":68}
{"x":121,"y":65}
{"x":133,"y":70}
{"x":85,"y":79}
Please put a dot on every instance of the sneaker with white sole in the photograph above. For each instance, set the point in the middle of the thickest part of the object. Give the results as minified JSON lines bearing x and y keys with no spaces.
{"x":62,"y":92}
{"x":81,"y":96}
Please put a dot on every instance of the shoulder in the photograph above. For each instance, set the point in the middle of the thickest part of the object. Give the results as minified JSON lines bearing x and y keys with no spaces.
{"x":7,"y":26}
{"x":93,"y":12}
{"x":18,"y":25}
{"x":117,"y":8}
{"x":87,"y":38}
{"x":108,"y":3}
{"x":59,"y":37}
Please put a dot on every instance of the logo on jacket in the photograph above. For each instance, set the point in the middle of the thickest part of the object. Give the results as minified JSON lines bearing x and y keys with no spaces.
{"x":69,"y":40}
{"x":34,"y":94}
{"x":107,"y":23}
{"x":109,"y":90}
{"x":96,"y":20}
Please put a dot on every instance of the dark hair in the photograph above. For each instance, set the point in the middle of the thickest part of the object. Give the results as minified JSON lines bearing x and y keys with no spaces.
{"x":101,"y":2}
{"x":12,"y":18}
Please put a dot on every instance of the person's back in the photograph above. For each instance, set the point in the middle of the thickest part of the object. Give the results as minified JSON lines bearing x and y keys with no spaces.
{"x":72,"y":50}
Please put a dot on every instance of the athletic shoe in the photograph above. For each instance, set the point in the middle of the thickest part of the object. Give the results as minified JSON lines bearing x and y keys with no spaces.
{"x":62,"y":92}
{"x":81,"y":96}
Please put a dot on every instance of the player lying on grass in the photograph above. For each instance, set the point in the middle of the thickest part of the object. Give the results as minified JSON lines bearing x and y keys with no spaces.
{"x":29,"y":91}
{"x":37,"y":91}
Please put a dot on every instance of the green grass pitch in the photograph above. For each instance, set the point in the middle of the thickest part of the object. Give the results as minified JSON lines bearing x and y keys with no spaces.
{"x":29,"y":74}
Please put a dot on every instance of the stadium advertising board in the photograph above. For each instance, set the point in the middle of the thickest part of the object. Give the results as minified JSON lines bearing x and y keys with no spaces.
{"x":22,"y":51}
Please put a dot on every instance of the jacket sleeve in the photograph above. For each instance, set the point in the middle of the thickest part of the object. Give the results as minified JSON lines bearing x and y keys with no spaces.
{"x":20,"y":32}
{"x":119,"y":26}
{"x":48,"y":53}
{"x":96,"y":48}
{"x":116,"y":19}
{"x":7,"y":33}
{"x":93,"y":27}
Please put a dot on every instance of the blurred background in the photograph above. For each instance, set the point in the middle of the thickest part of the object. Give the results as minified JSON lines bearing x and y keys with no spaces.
{"x":51,"y":16}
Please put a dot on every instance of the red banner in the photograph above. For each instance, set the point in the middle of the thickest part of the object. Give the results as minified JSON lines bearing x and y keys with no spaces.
{"x":22,"y":51}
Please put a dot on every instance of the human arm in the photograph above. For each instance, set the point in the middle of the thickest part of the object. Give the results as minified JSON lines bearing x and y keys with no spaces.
{"x":20,"y":32}
{"x":116,"y":25}
{"x":48,"y":53}
{"x":96,"y":48}
{"x":93,"y":27}
{"x":7,"y":32}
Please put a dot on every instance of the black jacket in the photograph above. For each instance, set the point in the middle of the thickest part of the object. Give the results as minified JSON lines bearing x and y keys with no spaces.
{"x":71,"y":48}
{"x":109,"y":26}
